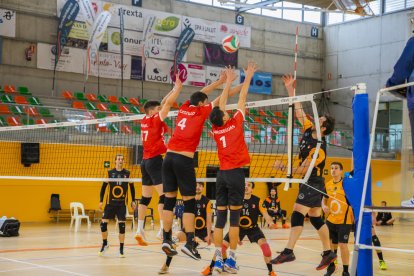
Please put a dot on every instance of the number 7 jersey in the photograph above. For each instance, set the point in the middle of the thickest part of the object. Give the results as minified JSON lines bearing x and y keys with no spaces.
{"x":232,"y":148}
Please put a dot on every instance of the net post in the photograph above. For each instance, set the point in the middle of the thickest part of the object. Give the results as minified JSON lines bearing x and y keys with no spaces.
{"x":291,"y":115}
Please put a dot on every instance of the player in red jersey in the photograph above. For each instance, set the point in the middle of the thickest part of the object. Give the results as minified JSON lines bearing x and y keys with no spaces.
{"x":178,"y":166}
{"x":153,"y":128}
{"x":228,"y":133}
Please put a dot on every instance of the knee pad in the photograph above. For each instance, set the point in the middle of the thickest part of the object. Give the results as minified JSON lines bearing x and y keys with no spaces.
{"x":297,"y":219}
{"x":104,"y":226}
{"x":266,"y":250}
{"x":189,"y":206}
{"x":221,"y":219}
{"x":317,"y":222}
{"x":376,"y":241}
{"x":169,"y":203}
{"x":161,"y":200}
{"x":121,"y":226}
{"x":145,"y":201}
{"x":234,"y":218}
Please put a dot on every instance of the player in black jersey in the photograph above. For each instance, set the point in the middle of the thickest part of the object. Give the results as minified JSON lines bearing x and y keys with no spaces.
{"x":272,"y":204}
{"x":309,"y":197}
{"x":252,"y":207}
{"x":116,"y":202}
{"x":203,"y":220}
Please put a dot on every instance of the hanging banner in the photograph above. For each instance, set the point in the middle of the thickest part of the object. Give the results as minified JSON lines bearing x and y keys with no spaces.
{"x":213,"y":74}
{"x":88,"y":13}
{"x":243,"y":32}
{"x":79,"y":31}
{"x":261,"y":83}
{"x":162,"y":47}
{"x":7,"y":23}
{"x":71,"y":60}
{"x":133,"y":16}
{"x":215,"y":55}
{"x":195,"y":74}
{"x":136,"y":68}
{"x":166,"y":23}
{"x":69,"y":12}
{"x":99,"y":28}
{"x":158,"y":70}
{"x":96,"y":6}
{"x":205,"y":30}
{"x":133,"y":43}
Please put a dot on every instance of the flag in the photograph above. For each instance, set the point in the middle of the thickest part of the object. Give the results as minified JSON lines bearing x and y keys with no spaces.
{"x":184,"y":41}
{"x":88,"y":13}
{"x":98,"y":31}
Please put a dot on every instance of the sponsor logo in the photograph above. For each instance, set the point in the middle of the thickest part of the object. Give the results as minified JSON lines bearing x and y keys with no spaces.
{"x":301,"y":196}
{"x":167,"y":24}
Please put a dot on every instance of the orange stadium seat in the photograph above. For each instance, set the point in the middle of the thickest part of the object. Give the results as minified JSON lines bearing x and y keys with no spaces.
{"x":78,"y":105}
{"x":20,"y":100}
{"x":124,"y":109}
{"x":113,"y":99}
{"x":126,"y":129}
{"x":102,"y":107}
{"x":14,"y":121}
{"x":91,"y":97}
{"x":134,"y":101}
{"x":9,"y":88}
{"x":41,"y":121}
{"x":31,"y":111}
{"x":4,"y":109}
{"x":67,"y":95}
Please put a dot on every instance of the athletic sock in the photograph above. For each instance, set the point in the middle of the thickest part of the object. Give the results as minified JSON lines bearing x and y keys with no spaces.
{"x":140,"y":225}
{"x":232,"y":254}
{"x":269,"y":267}
{"x":190,"y":238}
{"x":346,"y":268}
{"x":105,"y":242}
{"x":380,"y":256}
{"x":168,"y":261}
{"x":121,"y":248}
{"x":167,"y":235}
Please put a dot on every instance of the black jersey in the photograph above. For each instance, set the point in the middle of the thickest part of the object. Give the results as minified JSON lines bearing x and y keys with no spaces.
{"x":271,"y":203}
{"x":308,"y":146}
{"x":203,"y":206}
{"x":117,"y":190}
{"x":250,"y":212}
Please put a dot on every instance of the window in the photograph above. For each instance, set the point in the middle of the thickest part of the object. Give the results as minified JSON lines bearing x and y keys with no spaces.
{"x":394,"y":5}
{"x":294,"y":13}
{"x":274,"y":13}
{"x":205,"y":2}
{"x":312,"y":16}
{"x":216,"y":3}
{"x":334,"y":17}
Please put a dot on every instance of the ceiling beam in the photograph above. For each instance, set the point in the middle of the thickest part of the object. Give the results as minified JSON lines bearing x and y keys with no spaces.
{"x":258,"y":5}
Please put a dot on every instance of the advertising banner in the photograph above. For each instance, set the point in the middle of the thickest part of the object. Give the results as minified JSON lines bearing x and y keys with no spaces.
{"x":261,"y":83}
{"x":205,"y":30}
{"x":7,"y":23}
{"x":158,"y":70}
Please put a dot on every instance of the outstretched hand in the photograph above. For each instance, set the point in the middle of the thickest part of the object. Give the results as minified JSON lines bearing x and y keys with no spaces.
{"x":251,"y":69}
{"x":289,"y":82}
{"x":222,"y":78}
{"x":230,"y":74}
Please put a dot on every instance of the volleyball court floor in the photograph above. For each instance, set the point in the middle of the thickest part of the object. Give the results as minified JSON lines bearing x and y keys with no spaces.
{"x":51,"y":249}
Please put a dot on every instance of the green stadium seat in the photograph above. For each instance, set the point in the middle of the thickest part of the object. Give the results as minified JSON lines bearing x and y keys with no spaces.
{"x":28,"y":121}
{"x":168,"y":122}
{"x":80,"y":96}
{"x":23,"y":90}
{"x":270,"y":113}
{"x":6,"y":98}
{"x":114,"y":108}
{"x":45,"y":112}
{"x":249,"y":119}
{"x":143,"y":101}
{"x":17,"y":110}
{"x":136,"y":129}
{"x":100,"y":115}
{"x":253,"y":111}
{"x":34,"y":101}
{"x":113,"y":128}
{"x":124,"y":100}
{"x":3,"y":122}
{"x":102,"y":99}
{"x":91,"y":106}
{"x":283,"y":122}
{"x":134,"y":110}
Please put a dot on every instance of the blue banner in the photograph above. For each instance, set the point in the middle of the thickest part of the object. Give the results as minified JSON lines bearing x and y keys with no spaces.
{"x":67,"y":18}
{"x":136,"y":68}
{"x":261,"y":83}
{"x":184,"y":41}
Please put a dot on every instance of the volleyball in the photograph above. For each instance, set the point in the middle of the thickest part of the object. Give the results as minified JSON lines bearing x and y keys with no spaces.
{"x":231,"y":43}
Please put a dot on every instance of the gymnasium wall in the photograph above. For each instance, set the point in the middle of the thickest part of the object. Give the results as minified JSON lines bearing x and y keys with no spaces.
{"x":273,"y":41}
{"x":29,"y":200}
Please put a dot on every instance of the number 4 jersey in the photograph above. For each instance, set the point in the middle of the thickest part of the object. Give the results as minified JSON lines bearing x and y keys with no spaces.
{"x":189,"y":126}
{"x":232,"y":148}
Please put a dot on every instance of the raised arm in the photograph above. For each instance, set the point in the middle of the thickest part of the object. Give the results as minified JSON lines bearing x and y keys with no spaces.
{"x":214,"y":85}
{"x":170,"y":100}
{"x":404,"y":66}
{"x":290,"y":84}
{"x":221,"y":101}
{"x":249,"y":72}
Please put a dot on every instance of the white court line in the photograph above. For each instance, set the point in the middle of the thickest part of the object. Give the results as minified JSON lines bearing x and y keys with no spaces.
{"x":43,"y":266}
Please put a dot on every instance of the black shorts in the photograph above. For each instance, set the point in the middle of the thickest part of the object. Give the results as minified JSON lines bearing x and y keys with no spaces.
{"x":151,"y":170}
{"x":253,"y":234}
{"x":111,"y":211}
{"x":339,"y":233}
{"x":310,"y":197}
{"x":178,"y":173}
{"x":230,"y":187}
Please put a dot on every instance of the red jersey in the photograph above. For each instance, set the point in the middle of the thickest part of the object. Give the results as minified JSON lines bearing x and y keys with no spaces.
{"x":152,"y":133}
{"x":189,"y":126}
{"x":232,"y":148}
